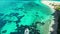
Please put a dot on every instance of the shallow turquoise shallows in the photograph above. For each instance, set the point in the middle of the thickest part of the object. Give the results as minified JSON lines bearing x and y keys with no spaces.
{"x":17,"y":15}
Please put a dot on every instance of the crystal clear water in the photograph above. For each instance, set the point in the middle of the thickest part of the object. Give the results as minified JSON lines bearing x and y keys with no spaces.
{"x":17,"y":15}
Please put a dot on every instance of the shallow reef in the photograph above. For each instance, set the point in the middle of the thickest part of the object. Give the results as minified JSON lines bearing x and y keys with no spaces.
{"x":17,"y":15}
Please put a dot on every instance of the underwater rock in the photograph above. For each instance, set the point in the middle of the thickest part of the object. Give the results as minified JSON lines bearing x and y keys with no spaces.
{"x":4,"y":31}
{"x":2,"y":23}
{"x":14,"y":14}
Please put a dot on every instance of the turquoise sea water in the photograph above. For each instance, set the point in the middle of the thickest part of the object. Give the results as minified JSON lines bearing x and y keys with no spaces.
{"x":17,"y":15}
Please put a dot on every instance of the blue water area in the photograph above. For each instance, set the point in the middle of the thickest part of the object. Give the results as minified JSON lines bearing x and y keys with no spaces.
{"x":17,"y":15}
